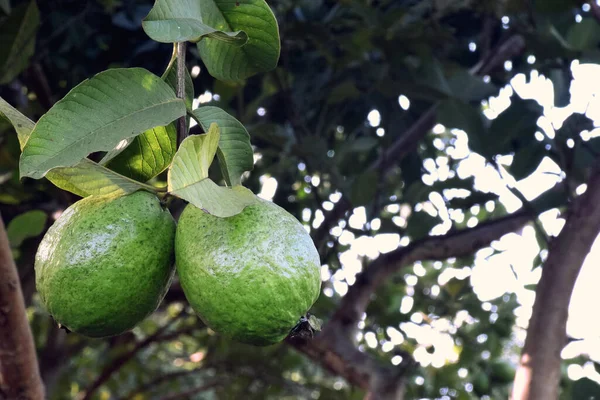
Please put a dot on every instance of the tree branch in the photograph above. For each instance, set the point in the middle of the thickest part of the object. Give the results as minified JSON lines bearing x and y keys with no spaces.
{"x":169,"y":377}
{"x":408,"y":140}
{"x":334,"y":348}
{"x":19,"y":373}
{"x":182,"y":132}
{"x":119,"y":362}
{"x":538,"y":375}
{"x":454,"y":244}
{"x":196,"y":390}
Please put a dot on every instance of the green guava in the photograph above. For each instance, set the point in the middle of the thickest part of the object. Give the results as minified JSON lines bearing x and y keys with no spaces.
{"x":106,"y":263}
{"x":249,"y":277}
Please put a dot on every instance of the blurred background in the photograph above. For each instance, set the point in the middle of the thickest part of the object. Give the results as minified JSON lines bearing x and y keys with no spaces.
{"x":494,"y":107}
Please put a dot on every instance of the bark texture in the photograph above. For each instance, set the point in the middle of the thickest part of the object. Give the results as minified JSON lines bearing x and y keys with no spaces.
{"x":20,"y":377}
{"x":538,"y":375}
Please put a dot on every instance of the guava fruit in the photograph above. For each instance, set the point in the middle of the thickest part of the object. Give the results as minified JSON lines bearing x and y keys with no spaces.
{"x":249,"y":277}
{"x":106,"y":263}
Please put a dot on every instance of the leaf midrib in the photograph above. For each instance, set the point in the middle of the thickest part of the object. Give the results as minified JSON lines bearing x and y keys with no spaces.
{"x":64,"y":149}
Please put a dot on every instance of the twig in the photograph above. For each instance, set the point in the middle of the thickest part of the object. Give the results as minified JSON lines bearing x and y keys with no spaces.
{"x":119,"y":362}
{"x":19,"y":373}
{"x":453,"y":244}
{"x":407,"y":141}
{"x":159,"y":381}
{"x":196,"y":390}
{"x":539,"y":374}
{"x":182,"y":132}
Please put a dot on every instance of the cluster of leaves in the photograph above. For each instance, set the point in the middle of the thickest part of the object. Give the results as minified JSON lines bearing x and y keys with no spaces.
{"x":339,"y":61}
{"x":128,"y":114}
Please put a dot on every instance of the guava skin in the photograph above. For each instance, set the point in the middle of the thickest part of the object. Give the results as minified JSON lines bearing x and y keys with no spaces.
{"x":249,"y":277}
{"x":106,"y":263}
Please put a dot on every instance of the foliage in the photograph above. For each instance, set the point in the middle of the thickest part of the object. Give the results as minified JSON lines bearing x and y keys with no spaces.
{"x":308,"y":126}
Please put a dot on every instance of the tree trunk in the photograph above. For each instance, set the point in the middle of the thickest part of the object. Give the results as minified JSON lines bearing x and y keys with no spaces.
{"x":20,"y":377}
{"x":538,"y":375}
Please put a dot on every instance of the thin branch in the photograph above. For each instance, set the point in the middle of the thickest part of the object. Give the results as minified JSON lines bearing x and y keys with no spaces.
{"x":335,"y":351}
{"x":159,"y":381}
{"x":408,"y":140}
{"x":119,"y":362}
{"x":19,"y":373}
{"x":182,"y":132}
{"x":538,"y":375}
{"x":196,"y":390}
{"x":454,"y":244}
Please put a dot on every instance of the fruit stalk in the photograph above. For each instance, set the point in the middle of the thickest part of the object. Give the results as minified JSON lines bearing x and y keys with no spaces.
{"x":19,"y":373}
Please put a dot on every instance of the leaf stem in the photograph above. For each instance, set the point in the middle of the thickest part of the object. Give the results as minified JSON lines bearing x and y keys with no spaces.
{"x":182,"y":132}
{"x":171,"y":62}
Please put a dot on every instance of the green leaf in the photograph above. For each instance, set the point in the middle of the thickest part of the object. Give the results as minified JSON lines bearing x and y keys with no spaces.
{"x":561,"y":82}
{"x":21,"y":123}
{"x":148,"y":155}
{"x":584,"y":35}
{"x":188,"y":178}
{"x":431,"y":75}
{"x":420,"y":223}
{"x":216,"y":200}
{"x":468,"y":88}
{"x":232,"y":63}
{"x":96,"y":115}
{"x":88,"y":178}
{"x":27,"y":225}
{"x":585,"y":388}
{"x":364,"y":188}
{"x":235,"y":151}
{"x":171,"y":21}
{"x":5,"y":6}
{"x":457,"y":114}
{"x":515,"y":128}
{"x":17,"y":35}
{"x":526,"y":161}
{"x":343,"y":92}
{"x":84,"y":179}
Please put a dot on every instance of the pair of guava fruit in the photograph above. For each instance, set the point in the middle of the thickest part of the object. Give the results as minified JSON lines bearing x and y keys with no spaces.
{"x":107,"y":263}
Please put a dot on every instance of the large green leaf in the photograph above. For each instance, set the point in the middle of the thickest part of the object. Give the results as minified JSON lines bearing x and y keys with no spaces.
{"x":172,"y":21}
{"x":21,"y":123}
{"x":84,"y":179}
{"x":229,"y":62}
{"x":148,"y":155}
{"x":24,"y":226}
{"x":89,"y":178}
{"x":96,"y":115}
{"x":234,"y":152}
{"x":17,"y":35}
{"x":188,"y":178}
